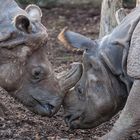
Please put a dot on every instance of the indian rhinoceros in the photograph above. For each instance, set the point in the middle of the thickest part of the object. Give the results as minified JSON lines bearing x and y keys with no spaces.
{"x":111,"y":72}
{"x":25,"y":71}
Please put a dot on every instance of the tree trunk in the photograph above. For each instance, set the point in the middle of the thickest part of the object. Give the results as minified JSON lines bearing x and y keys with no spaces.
{"x":138,"y":2}
{"x":108,"y":19}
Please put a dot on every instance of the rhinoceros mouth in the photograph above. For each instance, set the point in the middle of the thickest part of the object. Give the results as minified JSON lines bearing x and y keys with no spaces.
{"x":81,"y":122}
{"x":72,"y":121}
{"x":44,"y":109}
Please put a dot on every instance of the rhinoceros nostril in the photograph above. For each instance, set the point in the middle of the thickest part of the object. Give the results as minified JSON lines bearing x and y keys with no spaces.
{"x":67,"y":118}
{"x":51,"y":107}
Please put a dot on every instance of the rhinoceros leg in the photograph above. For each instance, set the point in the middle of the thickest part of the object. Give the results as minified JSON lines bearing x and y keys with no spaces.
{"x":129,"y":119}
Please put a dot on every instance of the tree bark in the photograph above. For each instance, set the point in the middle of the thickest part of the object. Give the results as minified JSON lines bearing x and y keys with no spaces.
{"x":108,"y":19}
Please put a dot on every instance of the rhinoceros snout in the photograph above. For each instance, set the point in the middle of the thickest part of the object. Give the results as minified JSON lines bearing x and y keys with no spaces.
{"x":50,"y":108}
{"x":72,"y":121}
{"x":44,"y":110}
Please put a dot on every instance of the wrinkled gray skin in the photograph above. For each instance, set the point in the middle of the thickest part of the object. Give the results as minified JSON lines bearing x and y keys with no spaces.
{"x":111,"y":72}
{"x":25,"y":71}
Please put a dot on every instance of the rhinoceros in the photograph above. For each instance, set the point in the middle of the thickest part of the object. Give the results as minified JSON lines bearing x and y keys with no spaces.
{"x":109,"y":80}
{"x":25,"y":72}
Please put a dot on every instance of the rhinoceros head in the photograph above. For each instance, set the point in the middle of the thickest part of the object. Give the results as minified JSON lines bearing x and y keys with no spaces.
{"x":94,"y":99}
{"x":34,"y":84}
{"x":25,"y":70}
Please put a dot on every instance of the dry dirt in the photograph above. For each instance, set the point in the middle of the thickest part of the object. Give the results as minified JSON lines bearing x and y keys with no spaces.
{"x":20,"y":123}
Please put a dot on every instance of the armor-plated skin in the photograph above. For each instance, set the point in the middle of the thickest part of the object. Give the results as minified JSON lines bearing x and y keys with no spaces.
{"x":26,"y":72}
{"x":110,"y":74}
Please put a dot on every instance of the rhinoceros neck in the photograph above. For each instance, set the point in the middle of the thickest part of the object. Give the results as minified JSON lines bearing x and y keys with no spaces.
{"x":115,"y":47}
{"x":112,"y":57}
{"x":114,"y":54}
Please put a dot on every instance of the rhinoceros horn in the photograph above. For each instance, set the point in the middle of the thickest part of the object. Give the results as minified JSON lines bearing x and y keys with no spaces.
{"x":69,"y":78}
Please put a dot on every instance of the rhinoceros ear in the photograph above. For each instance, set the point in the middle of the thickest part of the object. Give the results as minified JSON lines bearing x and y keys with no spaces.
{"x":73,"y":40}
{"x":22,"y":23}
{"x":133,"y":60}
{"x":34,"y":12}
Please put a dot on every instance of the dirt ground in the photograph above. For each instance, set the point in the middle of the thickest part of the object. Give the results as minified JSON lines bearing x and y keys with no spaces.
{"x":20,"y":123}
